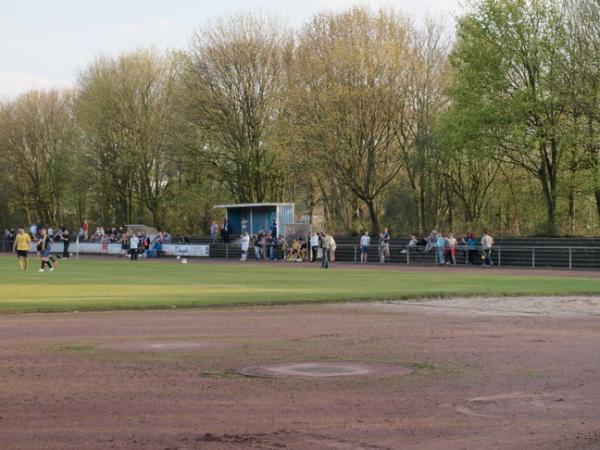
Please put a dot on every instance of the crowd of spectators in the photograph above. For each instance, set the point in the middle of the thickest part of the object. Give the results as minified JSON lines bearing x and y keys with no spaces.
{"x":476,"y":251}
{"x":146,"y":243}
{"x":269,"y":246}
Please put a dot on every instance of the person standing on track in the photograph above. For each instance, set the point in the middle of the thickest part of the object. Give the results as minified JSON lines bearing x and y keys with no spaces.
{"x":44,"y":246}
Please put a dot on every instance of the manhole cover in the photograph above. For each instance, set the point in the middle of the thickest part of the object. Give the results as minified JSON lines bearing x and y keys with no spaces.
{"x":323,"y":370}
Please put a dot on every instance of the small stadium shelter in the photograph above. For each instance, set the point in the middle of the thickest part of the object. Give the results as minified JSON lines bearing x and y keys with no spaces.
{"x":260,"y":216}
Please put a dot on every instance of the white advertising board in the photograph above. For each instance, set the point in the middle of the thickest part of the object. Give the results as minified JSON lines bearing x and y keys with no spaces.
{"x":92,"y":248}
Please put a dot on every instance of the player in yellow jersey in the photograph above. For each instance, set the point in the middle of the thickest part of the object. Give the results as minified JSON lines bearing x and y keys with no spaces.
{"x":21,"y":245}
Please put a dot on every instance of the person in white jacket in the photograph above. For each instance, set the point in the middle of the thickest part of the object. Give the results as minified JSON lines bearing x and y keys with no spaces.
{"x":332,"y":247}
{"x":244,"y":243}
{"x":487,"y":242}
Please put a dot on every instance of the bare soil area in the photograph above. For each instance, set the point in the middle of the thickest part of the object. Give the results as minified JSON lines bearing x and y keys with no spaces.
{"x":485,"y":374}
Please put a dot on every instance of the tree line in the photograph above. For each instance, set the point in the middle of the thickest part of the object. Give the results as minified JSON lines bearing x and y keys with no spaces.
{"x":359,"y":117}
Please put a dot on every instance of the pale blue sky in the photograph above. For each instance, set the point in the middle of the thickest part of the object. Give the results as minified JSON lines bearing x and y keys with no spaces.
{"x":46,"y":43}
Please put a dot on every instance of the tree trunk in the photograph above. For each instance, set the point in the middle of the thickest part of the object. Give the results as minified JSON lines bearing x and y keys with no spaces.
{"x":373,"y":216}
{"x":572,"y":211}
{"x":550,"y":201}
{"x":597,"y":196}
{"x":421,"y":214}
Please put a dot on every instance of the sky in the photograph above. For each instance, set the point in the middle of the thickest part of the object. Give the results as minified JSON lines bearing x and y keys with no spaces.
{"x":46,"y":44}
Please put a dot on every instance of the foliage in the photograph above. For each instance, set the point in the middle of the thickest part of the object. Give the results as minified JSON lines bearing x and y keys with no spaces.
{"x":361,"y":118}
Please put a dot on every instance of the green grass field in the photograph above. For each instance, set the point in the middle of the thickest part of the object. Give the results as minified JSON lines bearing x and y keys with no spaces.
{"x":109,"y":284}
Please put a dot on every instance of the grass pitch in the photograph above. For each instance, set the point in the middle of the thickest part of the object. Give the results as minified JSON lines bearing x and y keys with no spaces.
{"x":112,"y":284}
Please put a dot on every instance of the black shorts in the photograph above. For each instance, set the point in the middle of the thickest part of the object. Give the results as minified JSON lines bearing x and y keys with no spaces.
{"x":22,"y":253}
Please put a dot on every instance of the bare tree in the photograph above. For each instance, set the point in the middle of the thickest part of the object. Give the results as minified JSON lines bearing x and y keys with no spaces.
{"x":352,"y":95}
{"x":126,"y":110}
{"x":37,"y":142}
{"x":236,"y":77}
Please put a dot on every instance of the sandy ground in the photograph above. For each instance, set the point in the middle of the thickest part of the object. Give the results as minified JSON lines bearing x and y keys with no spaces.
{"x":487,"y":374}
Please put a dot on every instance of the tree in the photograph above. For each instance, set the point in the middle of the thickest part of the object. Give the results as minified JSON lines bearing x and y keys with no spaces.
{"x":419,"y":147}
{"x":510,"y":74}
{"x":126,"y":109}
{"x":352,"y":93}
{"x":37,"y":141}
{"x":583,"y":23}
{"x":236,"y":79}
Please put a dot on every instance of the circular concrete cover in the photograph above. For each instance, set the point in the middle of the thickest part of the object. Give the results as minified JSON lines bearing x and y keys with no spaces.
{"x":323,"y":370}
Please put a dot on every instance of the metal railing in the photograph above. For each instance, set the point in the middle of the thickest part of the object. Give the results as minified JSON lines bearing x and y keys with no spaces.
{"x":560,"y":257}
{"x":502,"y":256}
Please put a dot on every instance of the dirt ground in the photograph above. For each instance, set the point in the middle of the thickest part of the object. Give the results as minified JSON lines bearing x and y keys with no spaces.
{"x":487,"y":374}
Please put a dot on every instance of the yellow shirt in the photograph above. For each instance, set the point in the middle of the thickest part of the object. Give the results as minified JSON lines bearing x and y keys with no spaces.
{"x":22,"y":241}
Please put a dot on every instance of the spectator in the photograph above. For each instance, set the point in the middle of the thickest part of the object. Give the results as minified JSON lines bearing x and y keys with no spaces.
{"x":226,"y":231}
{"x":214,"y":231}
{"x":295,"y":251}
{"x":66,"y":239}
{"x":413,"y":242}
{"x":184,"y":239}
{"x":431,"y":241}
{"x":11,"y":238}
{"x":257,"y":246}
{"x":270,"y":241}
{"x":325,"y":246}
{"x":381,"y":248}
{"x":365,"y":241}
{"x":80,"y":235}
{"x":487,"y":242}
{"x":332,"y":248}
{"x":6,"y":240}
{"x":386,"y":243}
{"x":471,"y":244}
{"x":134,"y":242}
{"x":314,"y":246}
{"x":86,"y":229}
{"x":441,"y":248}
{"x":125,"y":244}
{"x":244,"y":244}
{"x":33,"y":230}
{"x":451,"y":249}
{"x":146,"y":245}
